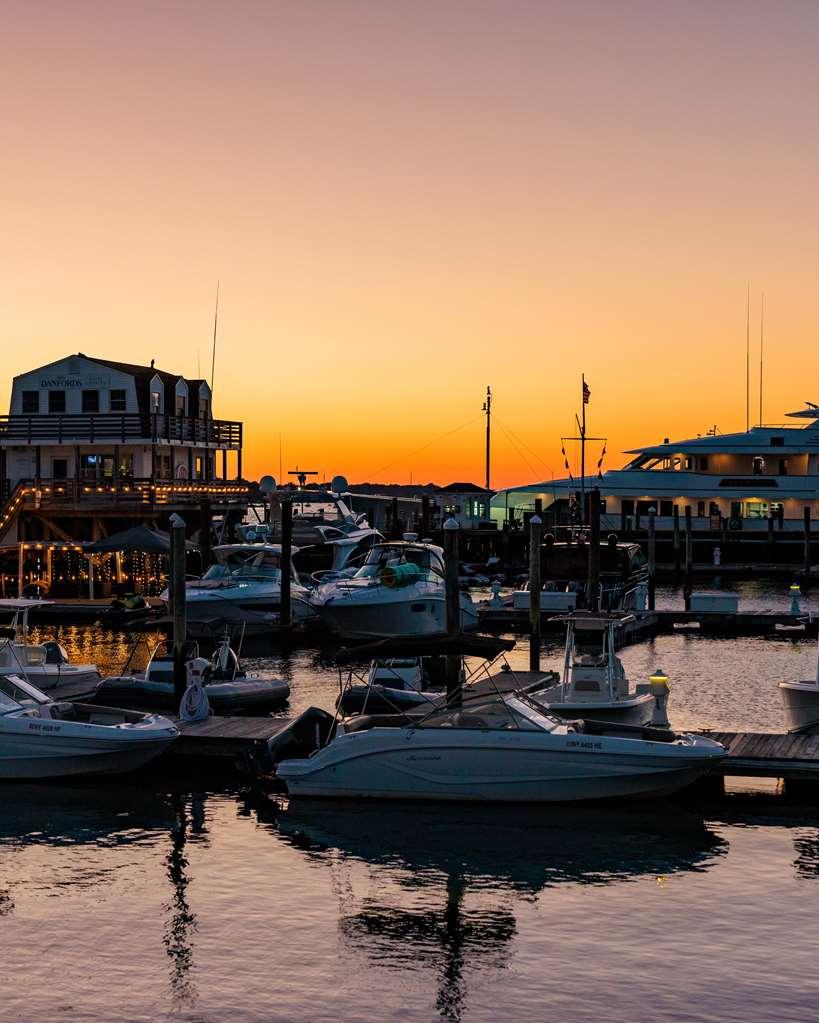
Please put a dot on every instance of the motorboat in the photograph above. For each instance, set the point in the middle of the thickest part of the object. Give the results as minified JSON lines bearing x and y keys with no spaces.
{"x":43,"y":739}
{"x":800,"y":702}
{"x":398,"y":591}
{"x":243,"y":588}
{"x":497,"y":747}
{"x":324,"y":551}
{"x":593,"y":684}
{"x":623,"y":577}
{"x":392,"y":684}
{"x":228,"y":687}
{"x":44,"y":664}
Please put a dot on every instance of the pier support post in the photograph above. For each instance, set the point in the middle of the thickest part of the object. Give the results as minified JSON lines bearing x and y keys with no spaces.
{"x":652,"y":555}
{"x":177,"y":601}
{"x":770,"y":536}
{"x":204,"y":532}
{"x":453,"y":609}
{"x":285,"y":611}
{"x":424,"y":516}
{"x":593,"y":587}
{"x":535,"y":530}
{"x":676,"y":542}
{"x":806,"y":558}
{"x":395,"y":522}
{"x":689,"y":558}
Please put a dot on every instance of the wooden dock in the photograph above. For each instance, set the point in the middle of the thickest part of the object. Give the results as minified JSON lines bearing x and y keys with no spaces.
{"x":790,"y":756}
{"x":227,"y":738}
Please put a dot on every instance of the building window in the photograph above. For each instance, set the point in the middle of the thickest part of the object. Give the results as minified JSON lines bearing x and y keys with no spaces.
{"x":59,"y":468}
{"x":666,"y":509}
{"x":90,"y":401}
{"x":31,"y":403}
{"x":701,"y":509}
{"x":156,"y":401}
{"x":89,"y":466}
{"x":703,"y":463}
{"x":118,"y":401}
{"x":203,"y":408}
{"x":181,"y":405}
{"x":56,"y":402}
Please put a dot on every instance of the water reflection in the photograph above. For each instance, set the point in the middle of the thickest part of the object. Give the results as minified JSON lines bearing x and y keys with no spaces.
{"x":446,"y":880}
{"x":182,"y":923}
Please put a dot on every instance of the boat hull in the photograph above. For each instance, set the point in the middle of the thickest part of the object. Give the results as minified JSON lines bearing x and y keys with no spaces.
{"x":224,"y":698}
{"x":47,"y":676}
{"x":800,"y":703}
{"x":492,"y":767}
{"x":634,"y":710}
{"x":368,"y":619}
{"x":39,"y":758}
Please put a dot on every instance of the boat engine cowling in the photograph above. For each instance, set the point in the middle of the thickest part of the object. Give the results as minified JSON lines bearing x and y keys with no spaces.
{"x":54,"y":652}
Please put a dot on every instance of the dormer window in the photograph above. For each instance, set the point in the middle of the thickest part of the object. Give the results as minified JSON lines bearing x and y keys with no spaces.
{"x":181,"y":405}
{"x":156,"y":401}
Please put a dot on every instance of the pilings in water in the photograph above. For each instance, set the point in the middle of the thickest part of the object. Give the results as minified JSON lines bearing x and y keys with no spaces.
{"x":689,"y":557}
{"x":285,"y":610}
{"x":535,"y":529}
{"x":806,"y":551}
{"x":593,"y":588}
{"x":453,"y":609}
{"x":652,"y":556}
{"x":177,"y":601}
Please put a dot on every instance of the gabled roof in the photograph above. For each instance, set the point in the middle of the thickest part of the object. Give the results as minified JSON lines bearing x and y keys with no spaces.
{"x":464,"y":488}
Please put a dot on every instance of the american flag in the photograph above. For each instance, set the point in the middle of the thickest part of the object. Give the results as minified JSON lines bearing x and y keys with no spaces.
{"x":586,"y":393}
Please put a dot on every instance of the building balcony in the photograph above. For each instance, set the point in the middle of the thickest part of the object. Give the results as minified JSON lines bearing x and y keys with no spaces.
{"x":119,"y":428}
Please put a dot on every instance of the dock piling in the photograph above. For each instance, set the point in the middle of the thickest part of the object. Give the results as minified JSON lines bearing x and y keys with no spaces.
{"x":177,"y":601}
{"x":453,"y":609}
{"x":285,"y":610}
{"x":676,"y":541}
{"x":535,"y":529}
{"x":689,"y":558}
{"x":652,"y":555}
{"x":593,"y":595}
{"x":806,"y":553}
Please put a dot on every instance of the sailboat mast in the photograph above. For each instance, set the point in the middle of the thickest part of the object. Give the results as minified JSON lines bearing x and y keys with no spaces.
{"x":761,"y":350}
{"x":487,"y":408}
{"x":583,"y":450}
{"x":213,"y":357}
{"x":748,"y":358}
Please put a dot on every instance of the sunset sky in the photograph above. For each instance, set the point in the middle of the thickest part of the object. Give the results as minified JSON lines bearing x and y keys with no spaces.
{"x":406,"y":201}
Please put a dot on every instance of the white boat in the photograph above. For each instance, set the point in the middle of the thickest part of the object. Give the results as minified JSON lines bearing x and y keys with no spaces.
{"x":228,"y":687}
{"x":44,"y":664}
{"x":800,"y":702}
{"x":392,"y":684}
{"x":243,"y":588}
{"x":593,"y":684}
{"x":398,"y":591}
{"x":745,"y":478}
{"x":43,"y":739}
{"x":496,"y":748}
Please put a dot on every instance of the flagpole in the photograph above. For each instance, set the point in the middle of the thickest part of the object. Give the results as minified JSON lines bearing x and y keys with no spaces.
{"x":583,"y":451}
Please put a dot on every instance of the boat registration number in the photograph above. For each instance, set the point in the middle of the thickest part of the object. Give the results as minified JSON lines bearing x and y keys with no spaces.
{"x":580,"y":744}
{"x":37,"y":726}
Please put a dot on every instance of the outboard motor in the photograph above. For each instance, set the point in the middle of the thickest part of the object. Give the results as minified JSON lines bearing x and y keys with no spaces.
{"x":55,"y":654}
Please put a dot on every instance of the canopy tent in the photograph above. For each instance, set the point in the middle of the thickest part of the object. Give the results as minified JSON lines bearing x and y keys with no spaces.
{"x":138,"y":538}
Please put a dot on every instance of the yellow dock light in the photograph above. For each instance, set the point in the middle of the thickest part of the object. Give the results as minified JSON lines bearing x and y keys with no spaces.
{"x":659,"y":682}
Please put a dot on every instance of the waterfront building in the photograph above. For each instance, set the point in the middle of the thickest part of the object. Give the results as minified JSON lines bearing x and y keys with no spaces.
{"x":90,"y":446}
{"x":742,"y":479}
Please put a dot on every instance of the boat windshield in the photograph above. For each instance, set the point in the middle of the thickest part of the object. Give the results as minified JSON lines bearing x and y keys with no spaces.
{"x":7,"y":705}
{"x":248,"y":565}
{"x":380,"y":557}
{"x":507,"y":712}
{"x":17,"y":691}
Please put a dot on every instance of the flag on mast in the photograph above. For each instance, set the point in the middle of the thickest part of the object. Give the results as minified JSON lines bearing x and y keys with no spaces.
{"x":586,"y":393}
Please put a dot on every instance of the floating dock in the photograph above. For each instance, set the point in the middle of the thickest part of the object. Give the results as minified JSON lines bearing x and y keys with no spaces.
{"x":790,"y":756}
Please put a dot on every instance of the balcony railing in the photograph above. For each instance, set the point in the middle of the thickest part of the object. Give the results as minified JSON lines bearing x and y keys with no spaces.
{"x":66,"y":492}
{"x":114,"y":427}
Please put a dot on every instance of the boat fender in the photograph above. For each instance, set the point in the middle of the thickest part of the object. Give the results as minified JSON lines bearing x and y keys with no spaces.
{"x":194,"y":705}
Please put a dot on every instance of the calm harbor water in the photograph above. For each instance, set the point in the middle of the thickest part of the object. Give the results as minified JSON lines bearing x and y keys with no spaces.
{"x":161,"y":901}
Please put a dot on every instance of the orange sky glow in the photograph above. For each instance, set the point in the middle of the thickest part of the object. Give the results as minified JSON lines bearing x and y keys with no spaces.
{"x":404,"y":202}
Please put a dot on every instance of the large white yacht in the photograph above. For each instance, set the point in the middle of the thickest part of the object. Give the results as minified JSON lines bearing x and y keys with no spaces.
{"x":743,"y":477}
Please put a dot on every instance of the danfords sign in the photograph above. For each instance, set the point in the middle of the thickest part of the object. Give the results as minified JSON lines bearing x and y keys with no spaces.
{"x":72,"y":381}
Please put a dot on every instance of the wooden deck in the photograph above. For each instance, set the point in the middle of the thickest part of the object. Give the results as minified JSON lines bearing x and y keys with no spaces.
{"x":793,"y":757}
{"x":227,"y":737}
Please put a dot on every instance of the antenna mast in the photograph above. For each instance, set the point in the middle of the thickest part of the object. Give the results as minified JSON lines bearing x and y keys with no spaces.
{"x":761,"y":350}
{"x":213,"y":359}
{"x":487,"y":408}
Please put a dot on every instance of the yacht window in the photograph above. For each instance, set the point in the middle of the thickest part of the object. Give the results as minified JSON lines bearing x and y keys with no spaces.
{"x":758,"y":465}
{"x":777,"y":442}
{"x":783,"y":467}
{"x":703,"y":463}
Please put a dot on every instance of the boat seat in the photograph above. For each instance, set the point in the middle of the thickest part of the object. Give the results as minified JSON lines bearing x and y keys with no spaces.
{"x":614,"y":729}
